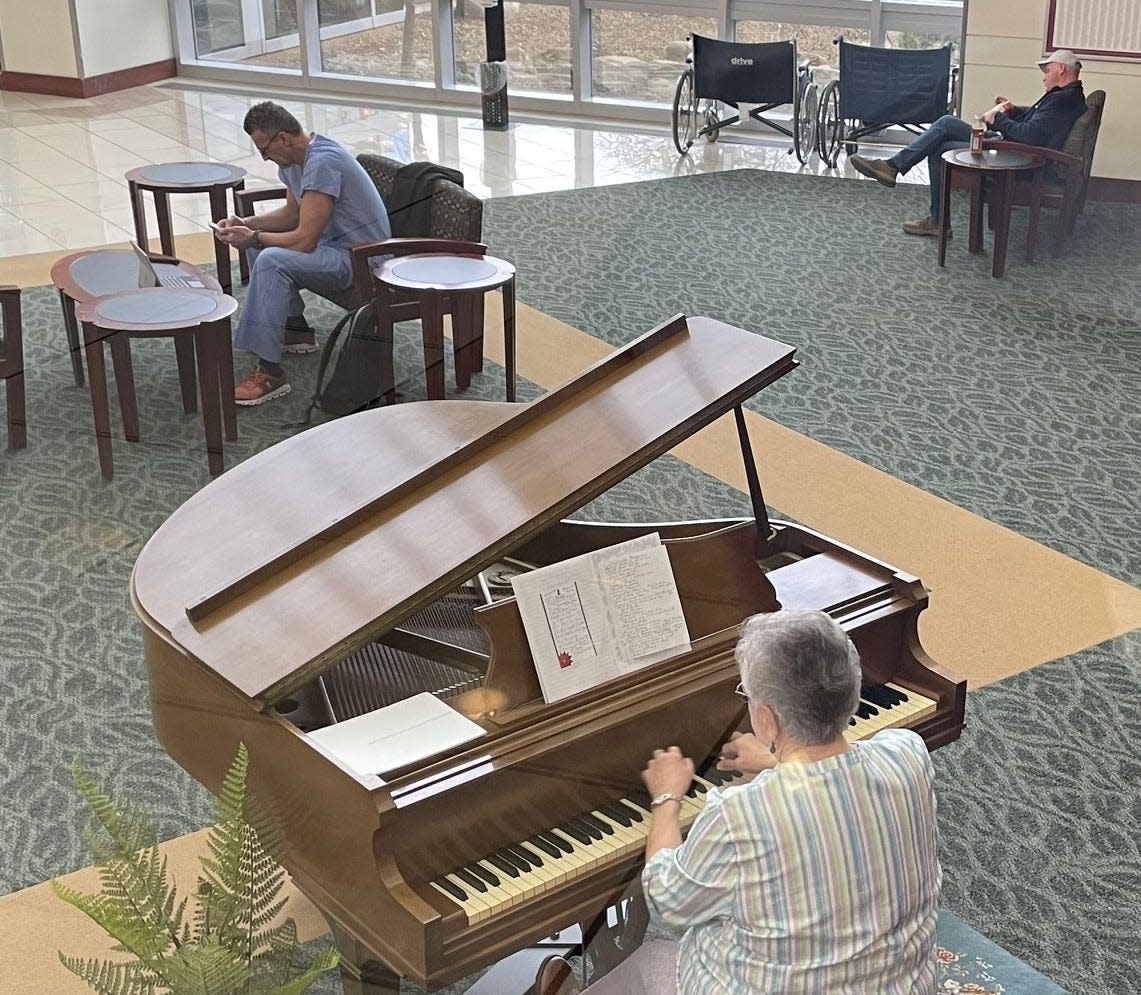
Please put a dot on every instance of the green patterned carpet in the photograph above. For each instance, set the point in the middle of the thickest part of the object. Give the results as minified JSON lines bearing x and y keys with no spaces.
{"x":1015,"y":399}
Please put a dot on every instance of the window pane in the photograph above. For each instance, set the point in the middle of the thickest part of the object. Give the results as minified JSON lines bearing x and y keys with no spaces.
{"x":638,"y":56}
{"x":913,"y":39}
{"x":538,"y":46}
{"x":394,"y":42}
{"x":260,"y":34}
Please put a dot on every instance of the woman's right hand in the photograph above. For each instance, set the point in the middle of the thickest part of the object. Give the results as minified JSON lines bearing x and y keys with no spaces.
{"x":745,"y":753}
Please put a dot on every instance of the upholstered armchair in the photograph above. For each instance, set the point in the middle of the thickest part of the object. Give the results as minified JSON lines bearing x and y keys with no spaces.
{"x":1066,"y":177}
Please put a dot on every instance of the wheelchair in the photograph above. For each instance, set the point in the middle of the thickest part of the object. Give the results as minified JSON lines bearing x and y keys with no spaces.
{"x":881,"y":87}
{"x":729,"y":73}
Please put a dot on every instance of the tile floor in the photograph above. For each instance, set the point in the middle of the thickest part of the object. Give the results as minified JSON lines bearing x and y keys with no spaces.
{"x":62,"y":160}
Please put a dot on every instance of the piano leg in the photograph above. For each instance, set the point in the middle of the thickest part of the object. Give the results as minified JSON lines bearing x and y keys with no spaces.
{"x":362,"y":974}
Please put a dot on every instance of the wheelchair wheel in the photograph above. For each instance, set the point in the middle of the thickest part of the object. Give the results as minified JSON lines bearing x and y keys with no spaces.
{"x":829,"y":125}
{"x":804,"y":124}
{"x":712,"y":131}
{"x":684,"y":112}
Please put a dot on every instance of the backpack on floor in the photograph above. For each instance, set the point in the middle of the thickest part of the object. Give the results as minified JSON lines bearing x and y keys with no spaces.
{"x":349,"y":374}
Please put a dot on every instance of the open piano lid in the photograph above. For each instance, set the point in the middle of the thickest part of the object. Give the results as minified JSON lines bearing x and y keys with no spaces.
{"x":302,"y":554}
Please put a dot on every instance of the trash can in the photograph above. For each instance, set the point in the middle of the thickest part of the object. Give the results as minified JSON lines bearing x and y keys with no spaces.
{"x":493,"y":93}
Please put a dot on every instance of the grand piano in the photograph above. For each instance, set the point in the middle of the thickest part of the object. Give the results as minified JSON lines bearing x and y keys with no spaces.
{"x":369,"y":559}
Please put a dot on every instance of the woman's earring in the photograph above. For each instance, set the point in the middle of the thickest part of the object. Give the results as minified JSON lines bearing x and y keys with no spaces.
{"x":773,"y":746}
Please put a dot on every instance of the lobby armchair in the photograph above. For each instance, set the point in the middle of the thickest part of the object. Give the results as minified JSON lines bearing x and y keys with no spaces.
{"x":1065,"y":179}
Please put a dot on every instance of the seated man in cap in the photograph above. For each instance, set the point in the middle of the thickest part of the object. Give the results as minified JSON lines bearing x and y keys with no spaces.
{"x":1046,"y":122}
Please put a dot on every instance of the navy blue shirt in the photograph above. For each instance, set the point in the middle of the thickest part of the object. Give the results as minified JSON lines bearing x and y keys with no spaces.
{"x":1048,"y":122}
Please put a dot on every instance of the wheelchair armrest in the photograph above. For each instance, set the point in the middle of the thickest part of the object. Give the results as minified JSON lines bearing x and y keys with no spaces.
{"x":158,"y":257}
{"x":244,"y":200}
{"x":10,"y":291}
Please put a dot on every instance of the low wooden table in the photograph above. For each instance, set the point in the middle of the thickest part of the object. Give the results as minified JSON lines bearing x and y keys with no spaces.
{"x":203,"y":315}
{"x":163,"y":179}
{"x":444,"y":281}
{"x":1001,"y":168}
{"x":92,"y":273}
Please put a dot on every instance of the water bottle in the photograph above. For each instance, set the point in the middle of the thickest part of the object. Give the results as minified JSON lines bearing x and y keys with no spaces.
{"x":978,"y":132}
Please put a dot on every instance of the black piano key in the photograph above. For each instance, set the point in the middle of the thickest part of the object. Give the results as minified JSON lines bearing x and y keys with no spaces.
{"x":467,"y":877}
{"x":481,"y":871}
{"x":513,"y":855}
{"x":586,"y":827}
{"x":616,"y":814}
{"x":529,"y":853}
{"x":716,"y":777}
{"x":852,"y":721}
{"x":571,"y":830}
{"x":865,"y":710}
{"x":633,"y":813}
{"x":697,"y":788}
{"x":560,"y":841}
{"x":598,"y":824}
{"x":548,"y":848}
{"x":884,"y":697}
{"x":503,"y":864}
{"x":452,"y":889}
{"x":641,"y":798}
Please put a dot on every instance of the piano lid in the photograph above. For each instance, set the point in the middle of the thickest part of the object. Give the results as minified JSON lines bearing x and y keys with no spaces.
{"x":303,"y":553}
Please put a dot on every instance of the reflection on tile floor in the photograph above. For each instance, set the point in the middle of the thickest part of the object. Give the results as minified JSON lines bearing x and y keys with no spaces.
{"x":62,"y":160}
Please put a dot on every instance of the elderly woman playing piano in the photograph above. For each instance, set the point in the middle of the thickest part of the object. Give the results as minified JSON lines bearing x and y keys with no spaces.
{"x":821,"y":874}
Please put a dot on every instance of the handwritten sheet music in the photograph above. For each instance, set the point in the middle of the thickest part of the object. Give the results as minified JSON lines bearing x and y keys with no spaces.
{"x":601,"y":615}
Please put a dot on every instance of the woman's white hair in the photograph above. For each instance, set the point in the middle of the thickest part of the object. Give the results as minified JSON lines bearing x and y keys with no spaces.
{"x":804,"y":667}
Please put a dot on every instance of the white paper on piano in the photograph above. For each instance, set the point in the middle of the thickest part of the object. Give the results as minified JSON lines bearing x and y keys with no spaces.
{"x":398,"y":734}
{"x":601,"y":615}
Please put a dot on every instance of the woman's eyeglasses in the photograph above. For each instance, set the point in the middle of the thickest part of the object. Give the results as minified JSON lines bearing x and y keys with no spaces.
{"x":740,"y":691}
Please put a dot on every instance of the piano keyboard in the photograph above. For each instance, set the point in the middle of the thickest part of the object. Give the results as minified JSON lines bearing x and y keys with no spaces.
{"x":525,"y":870}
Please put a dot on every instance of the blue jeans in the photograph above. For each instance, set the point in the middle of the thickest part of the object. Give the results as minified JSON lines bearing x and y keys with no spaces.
{"x":949,"y":132}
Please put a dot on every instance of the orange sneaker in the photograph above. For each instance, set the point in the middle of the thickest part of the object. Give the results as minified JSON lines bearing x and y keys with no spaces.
{"x":259,"y":387}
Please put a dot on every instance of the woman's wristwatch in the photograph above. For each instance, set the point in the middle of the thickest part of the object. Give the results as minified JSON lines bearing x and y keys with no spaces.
{"x":665,"y":796}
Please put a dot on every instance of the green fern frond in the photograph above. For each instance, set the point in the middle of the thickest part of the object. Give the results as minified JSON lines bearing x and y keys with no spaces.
{"x":231,"y":944}
{"x":111,"y":977}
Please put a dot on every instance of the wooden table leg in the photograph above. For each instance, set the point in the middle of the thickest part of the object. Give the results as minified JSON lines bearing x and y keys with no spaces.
{"x":218,"y":212}
{"x":509,"y":326}
{"x":463,"y":310}
{"x":1035,"y":213}
{"x":432,"y":325}
{"x":125,"y":384}
{"x":100,"y":410}
{"x":184,"y":358}
{"x":944,"y":214}
{"x":243,"y":262}
{"x":206,"y":346}
{"x":975,"y":241}
{"x":71,"y":329}
{"x":16,"y":411}
{"x":1005,"y":194}
{"x":477,"y":320}
{"x":225,"y":354}
{"x":138,"y":215}
{"x":165,"y":232}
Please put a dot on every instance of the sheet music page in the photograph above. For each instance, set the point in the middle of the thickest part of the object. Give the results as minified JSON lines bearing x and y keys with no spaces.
{"x":600,"y":615}
{"x":645,"y":609}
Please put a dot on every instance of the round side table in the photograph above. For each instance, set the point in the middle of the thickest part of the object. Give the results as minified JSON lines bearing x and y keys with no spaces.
{"x":446,"y":282}
{"x":1001,"y":166}
{"x":164,"y":178}
{"x":92,"y":273}
{"x":203,"y":315}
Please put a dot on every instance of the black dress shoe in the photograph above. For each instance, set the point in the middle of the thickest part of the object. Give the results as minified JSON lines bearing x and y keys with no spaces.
{"x":555,"y":977}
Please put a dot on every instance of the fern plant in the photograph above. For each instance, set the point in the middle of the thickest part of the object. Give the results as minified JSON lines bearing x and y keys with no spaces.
{"x":229,"y":943}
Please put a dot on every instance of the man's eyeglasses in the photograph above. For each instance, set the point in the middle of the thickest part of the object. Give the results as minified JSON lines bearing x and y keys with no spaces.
{"x":263,"y":149}
{"x":740,"y":691}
